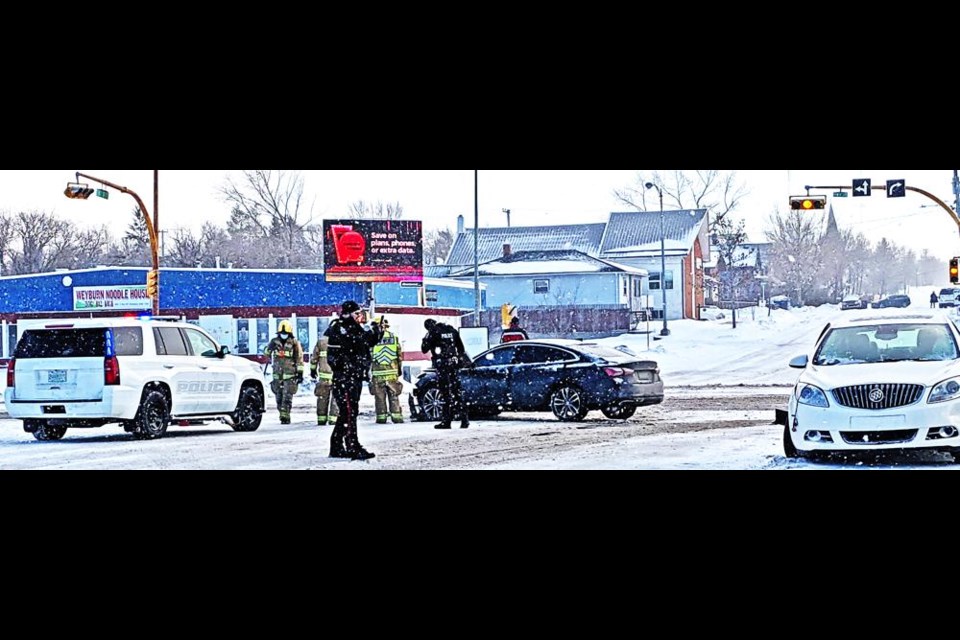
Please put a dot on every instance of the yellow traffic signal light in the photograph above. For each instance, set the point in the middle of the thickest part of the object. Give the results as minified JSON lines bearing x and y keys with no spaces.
{"x":807,"y":203}
{"x":77,"y":190}
{"x":507,"y":313}
{"x":153,"y":283}
{"x":955,"y":270}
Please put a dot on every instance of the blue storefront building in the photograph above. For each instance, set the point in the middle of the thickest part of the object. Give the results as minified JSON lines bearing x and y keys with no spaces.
{"x":239,"y":307}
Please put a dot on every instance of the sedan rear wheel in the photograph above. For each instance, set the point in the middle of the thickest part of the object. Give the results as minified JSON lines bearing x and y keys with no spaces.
{"x":568,"y":404}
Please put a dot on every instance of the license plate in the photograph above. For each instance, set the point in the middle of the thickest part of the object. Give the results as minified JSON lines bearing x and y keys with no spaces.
{"x":56,"y":376}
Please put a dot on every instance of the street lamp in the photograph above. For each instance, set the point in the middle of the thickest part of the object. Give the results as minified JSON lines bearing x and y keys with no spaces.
{"x":663,"y":261}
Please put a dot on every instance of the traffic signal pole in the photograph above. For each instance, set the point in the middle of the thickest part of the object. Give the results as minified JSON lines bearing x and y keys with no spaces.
{"x":943,"y":205}
{"x":151,"y":229}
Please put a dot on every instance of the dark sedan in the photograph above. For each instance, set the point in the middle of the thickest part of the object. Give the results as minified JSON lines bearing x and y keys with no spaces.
{"x":899,"y":300}
{"x":567,"y":378}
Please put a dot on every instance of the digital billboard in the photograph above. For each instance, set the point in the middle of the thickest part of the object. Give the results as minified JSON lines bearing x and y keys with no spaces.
{"x":373,"y":250}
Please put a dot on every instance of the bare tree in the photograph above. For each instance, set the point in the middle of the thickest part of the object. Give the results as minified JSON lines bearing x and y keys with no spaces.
{"x":186,"y":250}
{"x":720,"y":192}
{"x":84,"y":249}
{"x":41,"y":238}
{"x":7,"y":236}
{"x":437,"y":245}
{"x":795,"y":258}
{"x":729,"y":237}
{"x":268,"y":205}
{"x":377,"y":211}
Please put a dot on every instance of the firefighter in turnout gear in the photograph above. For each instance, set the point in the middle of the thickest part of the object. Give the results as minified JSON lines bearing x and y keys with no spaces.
{"x":286,"y":354}
{"x":448,"y":355}
{"x":385,"y":385}
{"x":322,"y":374}
{"x":348,"y":353}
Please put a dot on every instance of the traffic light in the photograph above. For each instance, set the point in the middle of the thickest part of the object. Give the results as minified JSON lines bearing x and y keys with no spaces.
{"x":153,"y":283}
{"x":955,"y":270}
{"x":77,"y":190}
{"x":807,"y":203}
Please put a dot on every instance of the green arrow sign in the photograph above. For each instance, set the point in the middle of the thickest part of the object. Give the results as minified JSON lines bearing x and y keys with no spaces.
{"x":839,"y":194}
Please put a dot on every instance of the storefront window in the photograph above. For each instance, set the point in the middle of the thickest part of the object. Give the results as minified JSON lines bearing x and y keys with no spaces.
{"x":243,"y":336}
{"x":263,"y":334}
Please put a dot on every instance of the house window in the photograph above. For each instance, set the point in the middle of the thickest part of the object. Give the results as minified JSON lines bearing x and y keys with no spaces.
{"x":541,"y":286}
{"x":655,"y":281}
{"x":625,"y":285}
{"x":637,"y":287}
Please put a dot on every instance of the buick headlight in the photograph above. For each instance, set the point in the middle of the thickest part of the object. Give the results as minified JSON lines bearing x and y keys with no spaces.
{"x":811,"y":395}
{"x":946,"y":390}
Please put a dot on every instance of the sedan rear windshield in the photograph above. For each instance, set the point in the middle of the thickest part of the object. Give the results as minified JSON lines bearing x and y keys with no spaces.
{"x":62,"y":343}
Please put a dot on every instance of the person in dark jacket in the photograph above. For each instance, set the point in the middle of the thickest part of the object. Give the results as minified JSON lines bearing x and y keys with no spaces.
{"x":348,"y":354}
{"x":514,"y":333}
{"x":448,"y":356}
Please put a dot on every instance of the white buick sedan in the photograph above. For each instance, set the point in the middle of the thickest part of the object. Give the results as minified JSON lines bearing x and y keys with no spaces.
{"x":874,"y":381}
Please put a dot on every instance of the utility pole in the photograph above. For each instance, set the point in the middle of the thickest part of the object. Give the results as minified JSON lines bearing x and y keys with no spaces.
{"x":476,"y":248}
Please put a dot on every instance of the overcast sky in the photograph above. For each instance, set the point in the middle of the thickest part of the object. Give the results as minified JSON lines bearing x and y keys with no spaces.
{"x":534,"y":197}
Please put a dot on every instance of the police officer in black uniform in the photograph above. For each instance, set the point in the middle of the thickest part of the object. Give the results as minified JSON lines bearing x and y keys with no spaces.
{"x":348,"y":354}
{"x":446,"y":351}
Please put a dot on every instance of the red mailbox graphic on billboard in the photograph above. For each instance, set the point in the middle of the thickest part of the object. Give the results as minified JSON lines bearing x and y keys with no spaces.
{"x":373,"y":250}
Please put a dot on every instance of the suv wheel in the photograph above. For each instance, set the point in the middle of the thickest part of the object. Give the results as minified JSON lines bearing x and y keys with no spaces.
{"x":153,"y":416}
{"x":249,"y":411}
{"x":45,"y":431}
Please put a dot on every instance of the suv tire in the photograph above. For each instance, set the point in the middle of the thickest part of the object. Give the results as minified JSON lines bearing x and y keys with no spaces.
{"x":153,"y":416}
{"x":46,"y":431}
{"x":249,"y":411}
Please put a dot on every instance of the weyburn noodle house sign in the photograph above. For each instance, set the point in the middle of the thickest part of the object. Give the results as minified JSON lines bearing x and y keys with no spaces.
{"x":113,"y":298}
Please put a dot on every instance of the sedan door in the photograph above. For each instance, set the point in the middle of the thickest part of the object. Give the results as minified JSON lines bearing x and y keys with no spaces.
{"x":537,"y":370}
{"x":487,"y":384}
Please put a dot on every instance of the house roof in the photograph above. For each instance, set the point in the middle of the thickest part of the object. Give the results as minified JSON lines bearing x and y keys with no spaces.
{"x":542,"y":262}
{"x":638,"y":232}
{"x":577,"y":237}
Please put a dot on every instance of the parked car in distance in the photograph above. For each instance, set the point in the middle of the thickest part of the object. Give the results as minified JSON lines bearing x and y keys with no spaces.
{"x":780,"y":302}
{"x":710,"y":312}
{"x":852,"y":301}
{"x":881,"y":382}
{"x":899,"y":300}
{"x":566,"y":377}
{"x":949,"y":297}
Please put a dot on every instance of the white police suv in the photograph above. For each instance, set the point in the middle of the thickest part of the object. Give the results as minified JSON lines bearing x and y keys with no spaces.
{"x":141,"y":373}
